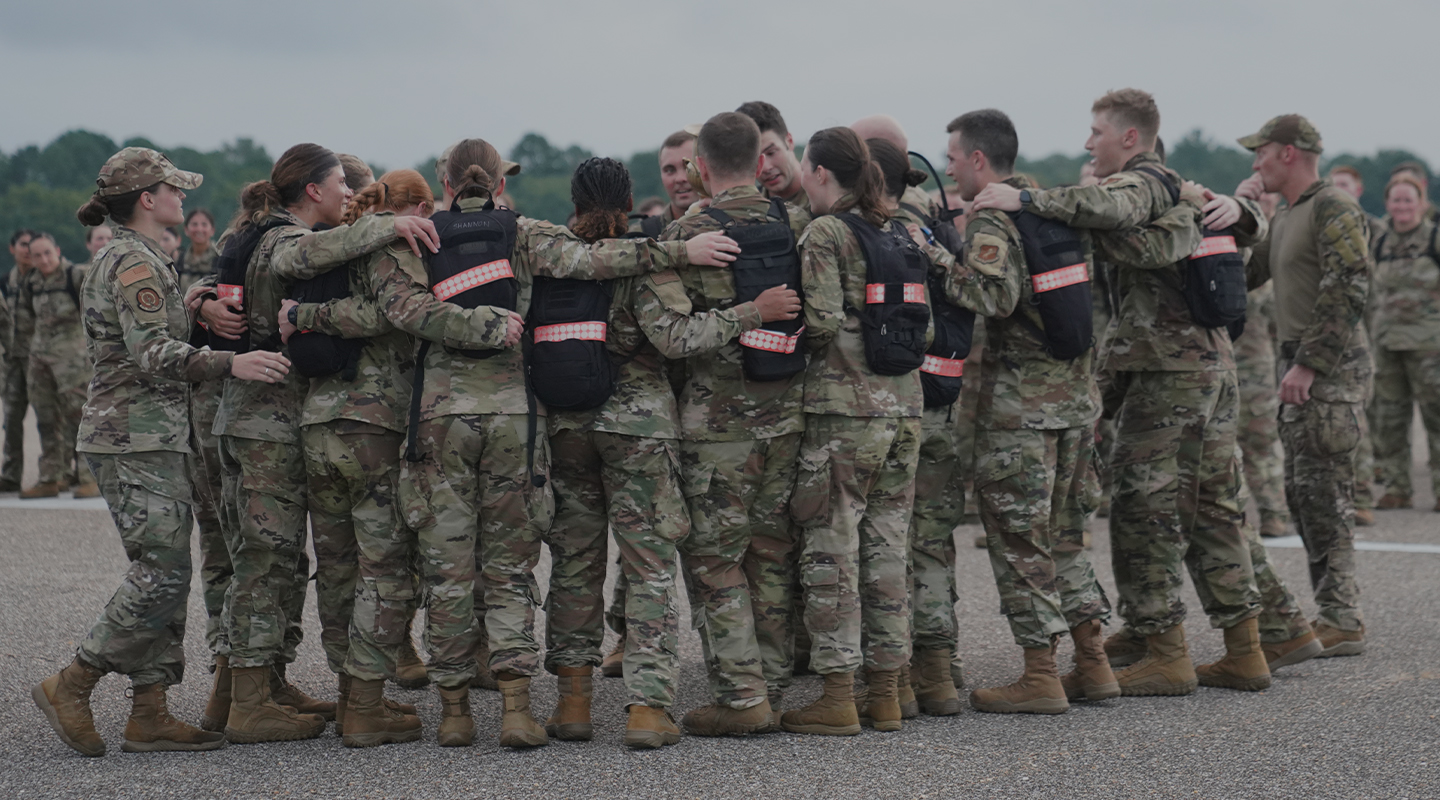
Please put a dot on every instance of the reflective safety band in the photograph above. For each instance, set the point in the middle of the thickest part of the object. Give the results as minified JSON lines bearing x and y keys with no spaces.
{"x":877,"y":292}
{"x":771,"y":341}
{"x":1060,"y":278}
{"x":1214,"y":246}
{"x":470,"y":278}
{"x":946,"y":367}
{"x":231,"y":291}
{"x":589,"y":331}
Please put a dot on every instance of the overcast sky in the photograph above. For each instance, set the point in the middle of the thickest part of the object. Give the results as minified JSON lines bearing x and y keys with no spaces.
{"x":394,"y":82}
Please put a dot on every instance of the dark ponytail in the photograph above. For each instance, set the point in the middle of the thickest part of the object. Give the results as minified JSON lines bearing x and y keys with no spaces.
{"x":473,"y":168}
{"x":895,"y":167}
{"x":845,"y":155}
{"x":119,"y":207}
{"x":600,"y":190}
{"x":297,"y":168}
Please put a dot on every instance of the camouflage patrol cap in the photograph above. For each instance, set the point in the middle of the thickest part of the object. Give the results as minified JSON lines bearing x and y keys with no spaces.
{"x":1285,"y":129}
{"x":140,"y":168}
{"x":506,"y":167}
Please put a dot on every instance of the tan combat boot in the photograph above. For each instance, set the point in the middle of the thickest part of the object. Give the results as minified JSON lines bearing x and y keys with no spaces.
{"x":255,"y":717}
{"x":64,"y":698}
{"x":933,"y":683}
{"x":41,"y":490}
{"x":650,"y":728}
{"x":881,"y":707}
{"x":832,"y":715}
{"x":1166,"y":668}
{"x":484,"y":677}
{"x":1300,"y":648}
{"x":571,"y":720}
{"x":1124,"y":647}
{"x":1335,"y":642}
{"x":613,"y":665}
{"x":905,"y":690}
{"x":1243,"y":666}
{"x":517,"y":727}
{"x":1038,"y":691}
{"x":151,"y":729}
{"x":457,"y":727}
{"x":86,"y":490}
{"x":1092,"y":678}
{"x":342,"y":698}
{"x":718,"y":720}
{"x":370,"y":722}
{"x":410,"y":671}
{"x":285,"y":693}
{"x":1364,"y":517}
{"x":217,"y":709}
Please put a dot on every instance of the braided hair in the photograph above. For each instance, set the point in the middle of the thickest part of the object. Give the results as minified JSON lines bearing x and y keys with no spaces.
{"x":600,"y":190}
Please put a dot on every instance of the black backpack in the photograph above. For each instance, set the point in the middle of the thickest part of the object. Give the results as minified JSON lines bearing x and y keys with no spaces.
{"x":1212,"y":279}
{"x":941,"y":374}
{"x":895,"y":318}
{"x":570,"y":369}
{"x":650,"y":226}
{"x":942,"y":230}
{"x":768,"y":258}
{"x":231,"y":267}
{"x":472,"y":268}
{"x":1060,"y":280}
{"x":316,"y":354}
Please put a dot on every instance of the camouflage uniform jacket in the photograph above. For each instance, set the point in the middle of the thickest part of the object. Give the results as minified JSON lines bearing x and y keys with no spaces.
{"x":1406,"y":300}
{"x":667,"y":216}
{"x":136,"y":330}
{"x":692,"y":313}
{"x":1319,"y":257}
{"x":20,"y":330}
{"x":839,"y":380}
{"x":1020,"y":386}
{"x":271,"y":412}
{"x":799,"y":200}
{"x":456,"y":384}
{"x":921,"y":199}
{"x":51,"y":312}
{"x":194,"y":269}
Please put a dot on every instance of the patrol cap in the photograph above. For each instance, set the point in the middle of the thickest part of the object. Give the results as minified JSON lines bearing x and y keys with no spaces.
{"x":1285,"y":129}
{"x":137,"y":168}
{"x":509,"y":167}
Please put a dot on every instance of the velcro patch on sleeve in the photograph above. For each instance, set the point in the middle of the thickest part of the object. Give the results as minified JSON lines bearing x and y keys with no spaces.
{"x":989,"y":253}
{"x":138,"y":272}
{"x":668,"y":276}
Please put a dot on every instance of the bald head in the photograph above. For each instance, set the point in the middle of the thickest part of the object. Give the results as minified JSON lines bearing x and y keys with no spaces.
{"x":882,"y":126}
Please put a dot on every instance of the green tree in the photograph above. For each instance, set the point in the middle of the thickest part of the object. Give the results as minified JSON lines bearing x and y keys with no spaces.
{"x":1201,"y":159}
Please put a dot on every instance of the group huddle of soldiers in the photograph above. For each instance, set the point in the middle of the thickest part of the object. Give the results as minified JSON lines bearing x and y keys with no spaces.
{"x":758,"y":387}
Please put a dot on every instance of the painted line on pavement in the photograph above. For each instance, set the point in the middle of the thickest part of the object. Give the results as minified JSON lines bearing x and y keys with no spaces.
{"x":55,"y":503}
{"x":1387,"y":547}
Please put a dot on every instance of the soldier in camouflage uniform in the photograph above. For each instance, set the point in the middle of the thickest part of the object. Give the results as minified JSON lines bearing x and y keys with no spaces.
{"x":1259,"y":435}
{"x":1317,"y":253}
{"x":740,"y":440}
{"x":197,"y":262}
{"x":1406,"y":328}
{"x":779,"y":169}
{"x":16,"y":361}
{"x":135,"y":434}
{"x":49,"y":305}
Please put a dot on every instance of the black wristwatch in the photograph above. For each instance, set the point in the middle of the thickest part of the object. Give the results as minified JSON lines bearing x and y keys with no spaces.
{"x":1025,"y":199}
{"x":295,"y":316}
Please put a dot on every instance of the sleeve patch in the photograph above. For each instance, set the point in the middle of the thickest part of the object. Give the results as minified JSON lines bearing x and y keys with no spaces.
{"x":136,"y":273}
{"x":990,"y":253}
{"x":668,"y":276}
{"x":149,"y":300}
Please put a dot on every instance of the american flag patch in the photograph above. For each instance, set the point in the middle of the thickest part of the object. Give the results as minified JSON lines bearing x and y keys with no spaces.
{"x":913,"y":293}
{"x":1060,"y":278}
{"x":470,"y":278}
{"x":1214,"y":246}
{"x":588,"y":331}
{"x":771,"y":341}
{"x":945,"y":367}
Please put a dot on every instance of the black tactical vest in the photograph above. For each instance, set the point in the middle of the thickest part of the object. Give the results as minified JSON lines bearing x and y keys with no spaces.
{"x":473,"y":268}
{"x":767,"y":259}
{"x":316,"y":354}
{"x":570,"y":369}
{"x":231,"y":267}
{"x":1060,"y":284}
{"x":941,"y":374}
{"x":895,"y":317}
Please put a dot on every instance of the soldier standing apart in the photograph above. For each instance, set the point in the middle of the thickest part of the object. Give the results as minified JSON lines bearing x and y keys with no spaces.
{"x":855,"y":487}
{"x":16,"y":361}
{"x":1034,"y":440}
{"x":740,"y":437}
{"x":135,"y":435}
{"x":1317,"y":253}
{"x":49,"y":305}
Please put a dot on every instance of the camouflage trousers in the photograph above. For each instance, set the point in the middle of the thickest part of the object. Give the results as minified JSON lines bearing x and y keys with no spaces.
{"x":739,"y":562}
{"x":1281,"y":618}
{"x":1259,"y":430}
{"x":141,"y":632}
{"x":57,"y":393}
{"x":1404,"y":378}
{"x":364,"y":557}
{"x":1037,"y":489}
{"x":854,"y":493}
{"x":470,"y":493}
{"x":939,"y":509}
{"x":207,"y":482}
{"x":629,"y":485}
{"x":16,"y":399}
{"x":263,"y":513}
{"x":1320,"y":440}
{"x":1176,"y":498}
{"x":615,"y":613}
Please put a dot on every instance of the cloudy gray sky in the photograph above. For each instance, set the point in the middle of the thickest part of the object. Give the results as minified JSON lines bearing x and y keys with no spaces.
{"x":395,"y":81}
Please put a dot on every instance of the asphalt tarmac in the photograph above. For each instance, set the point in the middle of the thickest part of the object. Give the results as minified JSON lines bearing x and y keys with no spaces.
{"x":1361,"y":727}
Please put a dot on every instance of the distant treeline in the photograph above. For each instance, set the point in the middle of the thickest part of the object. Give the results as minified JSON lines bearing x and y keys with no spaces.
{"x":40,"y":187}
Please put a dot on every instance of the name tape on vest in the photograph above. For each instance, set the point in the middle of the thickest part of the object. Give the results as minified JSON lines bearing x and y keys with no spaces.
{"x":944,"y":367}
{"x":771,"y":341}
{"x":913,"y":292}
{"x":473,"y":277}
{"x":1060,"y":278}
{"x":588,"y":331}
{"x":1214,"y":246}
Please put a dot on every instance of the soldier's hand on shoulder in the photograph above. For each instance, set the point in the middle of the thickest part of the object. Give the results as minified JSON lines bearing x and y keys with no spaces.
{"x":1221,"y":211}
{"x":417,"y":231}
{"x":778,"y":303}
{"x":713,"y":249}
{"x":1000,"y":196}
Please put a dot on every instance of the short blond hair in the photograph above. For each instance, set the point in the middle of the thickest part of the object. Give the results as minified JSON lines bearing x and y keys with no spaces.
{"x":1131,"y":108}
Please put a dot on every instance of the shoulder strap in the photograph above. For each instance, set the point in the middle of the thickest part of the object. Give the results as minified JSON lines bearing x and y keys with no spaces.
{"x":919,"y":212}
{"x":75,"y":292}
{"x":1434,"y":254}
{"x":778,"y":211}
{"x":1380,"y":244}
{"x":1164,"y":180}
{"x":719,"y":216}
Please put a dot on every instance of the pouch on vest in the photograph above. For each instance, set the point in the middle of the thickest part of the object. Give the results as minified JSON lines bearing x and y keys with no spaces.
{"x":472,"y":268}
{"x":231,"y":267}
{"x":1060,"y":284}
{"x":316,"y":354}
{"x":570,"y":368}
{"x":767,"y":259}
{"x":896,"y":317}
